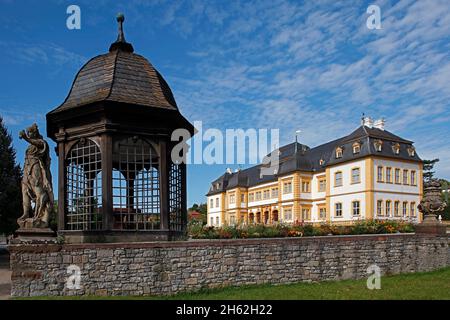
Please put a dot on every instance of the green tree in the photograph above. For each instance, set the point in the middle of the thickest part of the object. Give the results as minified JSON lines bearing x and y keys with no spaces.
{"x":202,"y":208}
{"x":428,"y":166}
{"x":10,"y":183}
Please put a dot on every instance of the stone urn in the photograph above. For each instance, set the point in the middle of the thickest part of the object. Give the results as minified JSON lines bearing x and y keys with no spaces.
{"x":431,"y":206}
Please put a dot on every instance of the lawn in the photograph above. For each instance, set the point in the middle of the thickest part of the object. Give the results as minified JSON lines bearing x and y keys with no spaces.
{"x":429,"y":285}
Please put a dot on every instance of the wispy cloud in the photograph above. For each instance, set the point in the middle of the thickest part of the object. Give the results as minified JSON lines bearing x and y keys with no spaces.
{"x":40,"y":53}
{"x":316,"y":66}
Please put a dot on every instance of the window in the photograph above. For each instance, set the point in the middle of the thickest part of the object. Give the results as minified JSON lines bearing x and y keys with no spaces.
{"x":338,"y":179}
{"x":242,"y":197}
{"x":322,"y":213}
{"x":378,"y":145}
{"x":275,"y":193}
{"x":389,"y":175}
{"x":405,"y":176}
{"x":412,"y":209}
{"x":305,"y":214}
{"x":380,"y":174}
{"x":388,"y":208}
{"x":305,"y":186}
{"x":405,"y":209}
{"x":397,"y":208}
{"x":355,"y":208}
{"x":356,"y":147}
{"x":211,"y":203}
{"x":287,"y":187}
{"x":413,"y":178}
{"x":338,"y":209}
{"x":232,"y":199}
{"x":266,"y":194}
{"x":411,"y":151}
{"x":251,"y":197}
{"x":232,"y":220}
{"x":397,"y":176}
{"x":211,"y":220}
{"x":322,"y":185}
{"x":338,"y":152}
{"x":396,"y":148}
{"x":258,"y":195}
{"x":287,"y":214}
{"x":380,"y":207}
{"x":356,"y":175}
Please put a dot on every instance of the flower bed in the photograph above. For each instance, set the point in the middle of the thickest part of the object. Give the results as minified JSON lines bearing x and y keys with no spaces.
{"x":198,"y":231}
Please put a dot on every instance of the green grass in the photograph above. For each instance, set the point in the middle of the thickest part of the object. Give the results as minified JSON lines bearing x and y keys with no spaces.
{"x":429,"y":285}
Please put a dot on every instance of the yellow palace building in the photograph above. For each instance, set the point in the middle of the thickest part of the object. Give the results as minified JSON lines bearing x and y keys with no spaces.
{"x":368,"y":174}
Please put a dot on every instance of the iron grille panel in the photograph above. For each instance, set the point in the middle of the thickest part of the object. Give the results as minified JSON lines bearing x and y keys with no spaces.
{"x":136,"y":186}
{"x":84,"y":187}
{"x":176,"y":218}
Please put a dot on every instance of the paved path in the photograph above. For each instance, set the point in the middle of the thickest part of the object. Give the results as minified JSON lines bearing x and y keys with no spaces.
{"x":5,"y":276}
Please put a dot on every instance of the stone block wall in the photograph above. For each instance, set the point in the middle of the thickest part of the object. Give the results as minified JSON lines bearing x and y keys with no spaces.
{"x":172,"y":267}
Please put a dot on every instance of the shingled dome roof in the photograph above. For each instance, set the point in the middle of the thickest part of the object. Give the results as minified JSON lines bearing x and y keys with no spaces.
{"x":119,"y":76}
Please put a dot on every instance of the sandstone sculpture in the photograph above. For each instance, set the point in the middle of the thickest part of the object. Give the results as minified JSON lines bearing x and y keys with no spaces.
{"x":37,"y":191}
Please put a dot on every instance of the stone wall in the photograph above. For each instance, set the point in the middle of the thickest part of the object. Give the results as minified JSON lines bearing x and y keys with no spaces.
{"x":171,"y":267}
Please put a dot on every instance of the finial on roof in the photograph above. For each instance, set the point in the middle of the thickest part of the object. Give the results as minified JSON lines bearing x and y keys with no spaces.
{"x":120,"y":20}
{"x":121,"y":43}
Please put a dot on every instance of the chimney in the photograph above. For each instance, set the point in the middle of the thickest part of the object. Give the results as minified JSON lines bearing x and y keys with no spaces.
{"x":379,"y":124}
{"x":229,"y":171}
{"x":367,"y":121}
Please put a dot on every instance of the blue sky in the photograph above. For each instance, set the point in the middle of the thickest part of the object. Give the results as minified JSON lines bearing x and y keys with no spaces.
{"x":309,"y":65}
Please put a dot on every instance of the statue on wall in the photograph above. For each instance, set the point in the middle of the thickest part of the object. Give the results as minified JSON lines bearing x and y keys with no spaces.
{"x":37,"y":191}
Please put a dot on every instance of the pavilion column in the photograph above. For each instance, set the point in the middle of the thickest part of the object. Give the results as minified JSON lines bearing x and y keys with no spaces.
{"x":61,"y":186}
{"x":164,"y":185}
{"x":107,"y":199}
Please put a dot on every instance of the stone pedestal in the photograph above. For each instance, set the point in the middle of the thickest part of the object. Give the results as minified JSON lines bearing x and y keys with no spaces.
{"x":34,"y":236}
{"x":430,"y":225}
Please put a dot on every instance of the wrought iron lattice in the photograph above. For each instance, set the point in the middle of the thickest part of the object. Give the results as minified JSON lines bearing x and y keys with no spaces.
{"x":84,"y":187}
{"x":136,"y":188}
{"x":175,"y":206}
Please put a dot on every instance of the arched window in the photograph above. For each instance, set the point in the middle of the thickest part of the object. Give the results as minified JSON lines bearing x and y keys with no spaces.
{"x":136,"y":188}
{"x":83,"y":187}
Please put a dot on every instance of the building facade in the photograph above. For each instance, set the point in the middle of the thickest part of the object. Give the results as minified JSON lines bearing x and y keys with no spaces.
{"x":368,"y":174}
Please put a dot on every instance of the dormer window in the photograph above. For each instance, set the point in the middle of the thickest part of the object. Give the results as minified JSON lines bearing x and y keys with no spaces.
{"x":378,"y":145}
{"x":356,"y":147}
{"x":338,"y":152}
{"x":321,"y":162}
{"x":217,"y":186}
{"x":396,"y":148}
{"x":411,"y":151}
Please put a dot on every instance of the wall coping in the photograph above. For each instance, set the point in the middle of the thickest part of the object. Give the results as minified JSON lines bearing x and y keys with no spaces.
{"x":198,"y":243}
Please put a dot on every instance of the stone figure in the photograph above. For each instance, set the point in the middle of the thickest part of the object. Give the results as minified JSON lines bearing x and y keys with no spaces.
{"x":37,"y":191}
